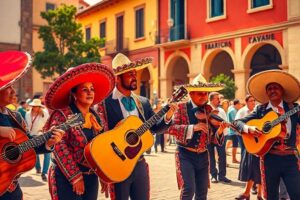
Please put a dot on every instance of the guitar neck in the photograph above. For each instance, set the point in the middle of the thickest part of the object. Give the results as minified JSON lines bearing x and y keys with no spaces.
{"x":152,"y":121}
{"x":285,"y":116}
{"x":39,"y":140}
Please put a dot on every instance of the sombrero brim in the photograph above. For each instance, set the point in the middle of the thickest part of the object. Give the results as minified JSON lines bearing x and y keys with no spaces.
{"x":136,"y":65}
{"x":256,"y":85}
{"x":137,"y":68}
{"x":102,"y":77}
{"x":204,"y":89}
{"x":14,"y":64}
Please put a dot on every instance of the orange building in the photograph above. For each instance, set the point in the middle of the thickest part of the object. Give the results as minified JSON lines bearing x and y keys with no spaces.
{"x":129,"y":27}
{"x":237,"y":38}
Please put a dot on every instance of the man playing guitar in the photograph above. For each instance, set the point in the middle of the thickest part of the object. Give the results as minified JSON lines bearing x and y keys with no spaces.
{"x":15,"y":64}
{"x":276,"y":90}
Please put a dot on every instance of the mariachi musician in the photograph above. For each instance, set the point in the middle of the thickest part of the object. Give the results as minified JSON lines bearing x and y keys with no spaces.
{"x":14,"y":64}
{"x":277,"y":91}
{"x":121,"y":104}
{"x":194,"y":130}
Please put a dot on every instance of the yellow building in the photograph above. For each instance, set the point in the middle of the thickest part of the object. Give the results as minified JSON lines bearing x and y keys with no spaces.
{"x":129,"y":27}
{"x":40,"y":85}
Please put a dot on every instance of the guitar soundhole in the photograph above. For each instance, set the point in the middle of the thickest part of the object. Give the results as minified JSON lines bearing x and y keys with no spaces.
{"x":132,"y":138}
{"x":267,"y":127}
{"x":11,"y":153}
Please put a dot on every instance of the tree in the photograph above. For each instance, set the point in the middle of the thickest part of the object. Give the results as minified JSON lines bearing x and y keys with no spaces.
{"x":230,"y":88}
{"x":63,"y":43}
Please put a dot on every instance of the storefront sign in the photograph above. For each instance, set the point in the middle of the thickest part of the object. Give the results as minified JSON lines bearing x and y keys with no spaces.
{"x":260,"y":38}
{"x":215,"y":45}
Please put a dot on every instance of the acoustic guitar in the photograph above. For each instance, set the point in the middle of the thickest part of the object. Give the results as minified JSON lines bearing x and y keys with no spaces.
{"x":19,"y":156}
{"x":114,"y":154}
{"x":269,"y":125}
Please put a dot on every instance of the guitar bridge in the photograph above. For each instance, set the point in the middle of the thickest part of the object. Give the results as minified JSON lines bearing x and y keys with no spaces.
{"x":117,"y":151}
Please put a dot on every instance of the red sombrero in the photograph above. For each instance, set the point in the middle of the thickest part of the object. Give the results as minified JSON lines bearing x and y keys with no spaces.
{"x":102,"y":77}
{"x":13,"y":65}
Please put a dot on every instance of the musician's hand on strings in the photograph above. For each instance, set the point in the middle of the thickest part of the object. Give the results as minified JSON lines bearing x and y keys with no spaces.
{"x":222,"y":127}
{"x":55,"y":137}
{"x":171,"y":111}
{"x":78,"y":187}
{"x":200,"y":127}
{"x":254,"y":131}
{"x":7,"y":132}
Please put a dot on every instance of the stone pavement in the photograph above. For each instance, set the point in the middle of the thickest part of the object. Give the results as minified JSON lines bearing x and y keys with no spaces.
{"x":163,"y":181}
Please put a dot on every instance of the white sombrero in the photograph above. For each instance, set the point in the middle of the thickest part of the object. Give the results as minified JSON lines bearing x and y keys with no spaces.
{"x":121,"y":64}
{"x":256,"y":85}
{"x":199,"y":84}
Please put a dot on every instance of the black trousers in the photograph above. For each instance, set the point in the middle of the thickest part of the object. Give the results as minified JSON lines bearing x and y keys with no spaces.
{"x":65,"y":188}
{"x":285,"y":167}
{"x":194,"y":171}
{"x":136,"y":186}
{"x":15,"y":195}
{"x":222,"y":160}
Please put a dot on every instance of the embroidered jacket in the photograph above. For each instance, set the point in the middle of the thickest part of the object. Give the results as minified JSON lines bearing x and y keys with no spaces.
{"x":68,"y":153}
{"x":185,"y":116}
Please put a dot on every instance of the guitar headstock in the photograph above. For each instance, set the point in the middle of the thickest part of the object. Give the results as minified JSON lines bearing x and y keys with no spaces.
{"x":179,"y":94}
{"x":74,"y":120}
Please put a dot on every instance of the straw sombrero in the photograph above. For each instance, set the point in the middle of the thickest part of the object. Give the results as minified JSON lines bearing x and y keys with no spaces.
{"x":121,"y":64}
{"x":36,"y":102}
{"x":102,"y":77}
{"x":199,"y":84}
{"x":256,"y":85}
{"x":13,"y":65}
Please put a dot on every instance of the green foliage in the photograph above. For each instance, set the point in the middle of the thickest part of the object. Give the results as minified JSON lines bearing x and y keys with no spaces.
{"x":230,"y":88}
{"x":63,"y":43}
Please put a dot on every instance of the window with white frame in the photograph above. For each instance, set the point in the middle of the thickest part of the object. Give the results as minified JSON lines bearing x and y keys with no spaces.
{"x":259,"y":5}
{"x":216,"y":10}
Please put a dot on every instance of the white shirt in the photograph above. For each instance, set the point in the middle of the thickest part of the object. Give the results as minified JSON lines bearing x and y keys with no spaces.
{"x":243,"y":112}
{"x":35,"y":126}
{"x":222,"y":114}
{"x":288,"y":124}
{"x":116,"y":94}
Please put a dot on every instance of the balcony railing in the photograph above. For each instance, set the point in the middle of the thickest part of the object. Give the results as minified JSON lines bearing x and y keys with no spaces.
{"x":116,"y":46}
{"x":172,"y":34}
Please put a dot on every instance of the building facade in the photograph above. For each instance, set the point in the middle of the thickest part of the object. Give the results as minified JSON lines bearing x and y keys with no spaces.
{"x":20,"y":21}
{"x":129,"y":27}
{"x":236,"y":38}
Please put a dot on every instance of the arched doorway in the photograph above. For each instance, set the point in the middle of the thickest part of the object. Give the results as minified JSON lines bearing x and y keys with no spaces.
{"x":222,"y":64}
{"x":178,"y":70}
{"x":265,"y":58}
{"x":144,"y":84}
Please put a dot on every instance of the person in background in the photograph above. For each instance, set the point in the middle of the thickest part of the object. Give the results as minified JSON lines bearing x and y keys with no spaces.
{"x":232,"y":135}
{"x":159,"y":137}
{"x":36,"y":118}
{"x":225,"y":105}
{"x":14,"y":105}
{"x":214,"y":102}
{"x":23,"y":108}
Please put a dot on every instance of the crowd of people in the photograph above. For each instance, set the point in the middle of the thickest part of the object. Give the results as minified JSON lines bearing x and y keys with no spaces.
{"x":204,"y":127}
